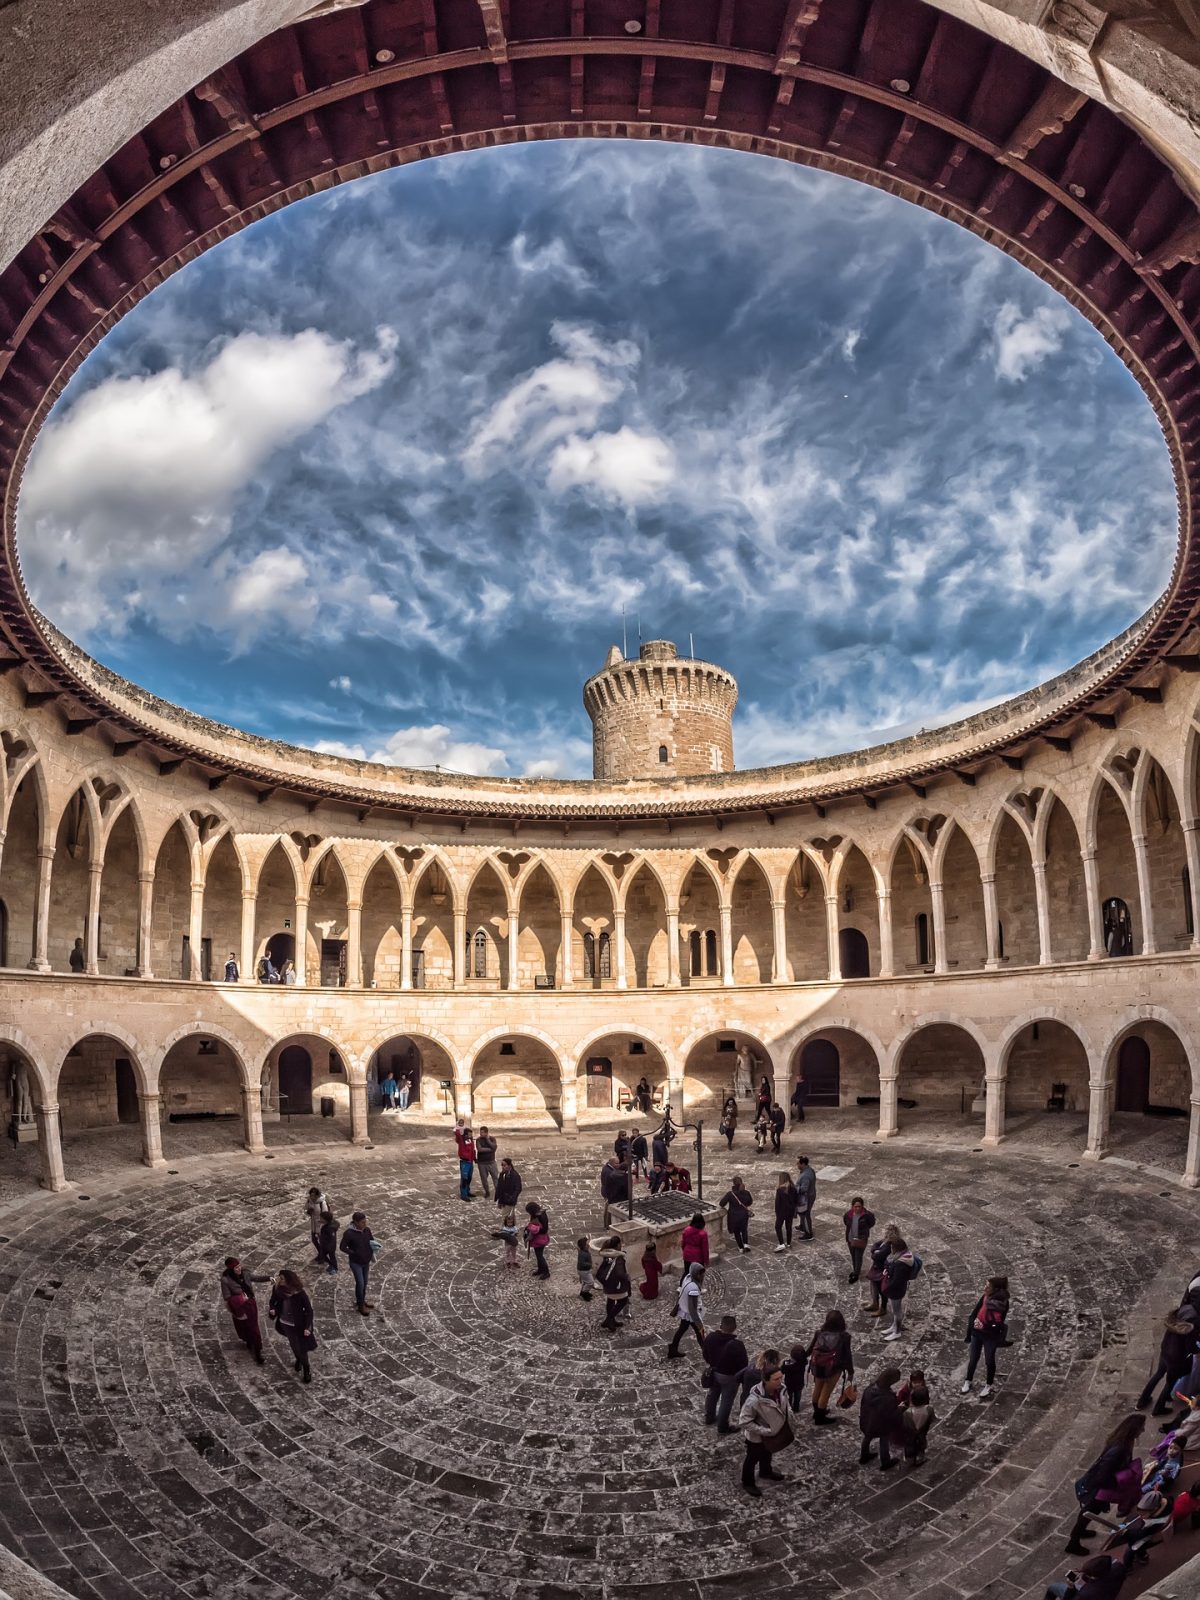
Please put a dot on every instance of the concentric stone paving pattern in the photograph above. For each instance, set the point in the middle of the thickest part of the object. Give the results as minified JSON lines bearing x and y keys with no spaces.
{"x":478,"y":1434}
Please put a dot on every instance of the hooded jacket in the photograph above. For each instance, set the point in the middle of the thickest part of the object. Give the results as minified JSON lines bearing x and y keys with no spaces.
{"x":897,"y":1273}
{"x":761,"y":1416}
{"x":508,"y":1187}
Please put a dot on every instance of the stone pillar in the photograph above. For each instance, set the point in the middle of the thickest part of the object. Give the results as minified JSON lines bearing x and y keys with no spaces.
{"x":937,"y":895}
{"x":252,"y":1121}
{"x":1191,"y":1170}
{"x":889,"y":1109}
{"x":195,"y":931}
{"x":887,"y":954}
{"x":249,"y":916}
{"x":832,"y":930}
{"x":53,"y":1177}
{"x":1145,"y":895}
{"x":514,"y":935}
{"x":406,"y":947}
{"x":460,"y":948}
{"x":1099,"y":1120}
{"x":675,"y":1091}
{"x":1042,"y":896}
{"x":1091,"y":884}
{"x":463,"y":1099}
{"x":148,"y":1110}
{"x":993,"y":1114}
{"x":566,"y":927}
{"x":145,"y":959}
{"x":41,"y":911}
{"x":1191,"y":845}
{"x":354,"y":963}
{"x":673,"y":978}
{"x":991,"y":921}
{"x":359,"y":1131}
{"x":779,"y":941}
{"x":619,"y":944}
{"x":300,"y":938}
{"x":725,"y":912}
{"x":91,"y":928}
{"x":570,"y":1106}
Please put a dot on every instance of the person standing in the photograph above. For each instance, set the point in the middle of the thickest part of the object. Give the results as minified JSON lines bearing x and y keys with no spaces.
{"x":406,"y":1089}
{"x":238,"y":1295}
{"x":799,"y":1098}
{"x":388,"y":1090}
{"x":318,"y":1208}
{"x":689,"y":1309}
{"x":858,"y":1222}
{"x":736,"y":1203}
{"x":614,"y":1279}
{"x":327,"y":1245}
{"x":879,"y":1418}
{"x":639,"y":1152}
{"x":778,"y":1125}
{"x":1174,"y":1362}
{"x":987,"y":1330}
{"x":614,"y":1186}
{"x":787,"y":1201}
{"x":508,"y":1185}
{"x":727,"y":1359}
{"x":232,"y":970}
{"x":917,"y":1417}
{"x":767,"y":1427}
{"x":880,"y":1251}
{"x":77,"y":958}
{"x":292,"y":1313}
{"x":693,"y":1243}
{"x":466,"y":1161}
{"x":729,"y":1116}
{"x":356,"y":1244}
{"x":537,"y":1236}
{"x":652,"y":1268}
{"x":806,"y":1186}
{"x":899,"y":1271}
{"x":830,"y":1357}
{"x":485,"y":1162}
{"x":583,"y":1266}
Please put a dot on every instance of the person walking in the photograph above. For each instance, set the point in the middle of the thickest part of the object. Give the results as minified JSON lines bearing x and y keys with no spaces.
{"x":327,"y":1245}
{"x":537,"y":1236}
{"x":465,"y":1142}
{"x":292,"y":1313}
{"x":916,"y":1418}
{"x":652,"y":1268}
{"x":729,"y":1116}
{"x":799,"y":1099}
{"x":787,"y":1201}
{"x":987,"y":1330}
{"x":736,"y":1203}
{"x":639,"y":1154}
{"x":879,"y":1252}
{"x":614,"y":1280}
{"x":806,"y":1186}
{"x":388,"y":1089}
{"x":900,"y":1269}
{"x":767,"y":1427}
{"x":356,"y":1244}
{"x":508,"y":1185}
{"x":1175,"y":1352}
{"x":233,"y":972}
{"x":778,"y":1125}
{"x":879,"y":1418}
{"x":1111,"y":1478}
{"x":318,"y":1208}
{"x":238,"y":1295}
{"x":584,"y":1263}
{"x":404,"y":1094}
{"x":693,"y":1244}
{"x":727,"y":1360}
{"x":762,"y":1100}
{"x":485,"y":1161}
{"x":689,"y":1309}
{"x":830,"y":1357}
{"x":858,"y":1222}
{"x":614,"y":1186}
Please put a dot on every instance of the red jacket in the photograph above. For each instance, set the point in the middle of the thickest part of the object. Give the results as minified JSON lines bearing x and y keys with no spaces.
{"x":466,"y":1147}
{"x":694,"y":1245}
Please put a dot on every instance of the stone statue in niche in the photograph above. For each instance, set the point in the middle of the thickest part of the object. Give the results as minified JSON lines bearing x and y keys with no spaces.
{"x":265,"y":1090}
{"x":24,"y":1125}
{"x":743,"y":1081}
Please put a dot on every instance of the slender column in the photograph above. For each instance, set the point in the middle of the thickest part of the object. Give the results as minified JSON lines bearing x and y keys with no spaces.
{"x":1042,"y":895}
{"x":993,"y":1113}
{"x":565,"y":952}
{"x":460,"y":948}
{"x":249,"y":916}
{"x":145,"y":968}
{"x":91,"y":931}
{"x":359,"y":1131}
{"x":889,"y":1107}
{"x":675,"y":1091}
{"x":1191,"y":1170}
{"x":406,"y":948}
{"x":514,"y":931}
{"x":1099,"y":1120}
{"x":463,"y":1100}
{"x":1091,"y":884}
{"x":991,"y":921}
{"x":300,"y":938}
{"x":619,"y":942}
{"x":725,"y":914}
{"x":887,"y":955}
{"x":252,"y":1121}
{"x":779,"y":941}
{"x":53,"y":1176}
{"x":148,"y":1109}
{"x":1145,"y":895}
{"x":41,"y":910}
{"x":354,"y":965}
{"x":195,"y":931}
{"x":673,"y":979}
{"x":831,"y":938}
{"x":1191,"y":845}
{"x":937,"y":894}
{"x":570,"y":1106}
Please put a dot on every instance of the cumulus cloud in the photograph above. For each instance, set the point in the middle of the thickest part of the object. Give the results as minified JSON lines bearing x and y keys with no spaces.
{"x":427,"y":748}
{"x":625,"y":466}
{"x":1022,"y":343}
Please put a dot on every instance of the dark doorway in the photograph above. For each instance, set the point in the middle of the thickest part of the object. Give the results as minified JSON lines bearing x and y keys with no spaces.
{"x":3,"y":934}
{"x":854,"y":953}
{"x":295,"y":1080}
{"x":1118,"y":928}
{"x":185,"y":963}
{"x":599,"y":1082}
{"x":127,"y":1095}
{"x":822,"y":1069}
{"x":281,"y":947}
{"x":400,"y":1057}
{"x":1133,"y":1075}
{"x":333,"y":963}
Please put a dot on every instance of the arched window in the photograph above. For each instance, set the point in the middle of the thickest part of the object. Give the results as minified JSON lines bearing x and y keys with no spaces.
{"x":662,"y":753}
{"x":478,"y":964}
{"x":924,"y":942}
{"x":695,"y":950}
{"x":710,"y":953}
{"x":589,"y":955}
{"x":605,"y":956}
{"x":854,"y":953}
{"x":1118,"y":928}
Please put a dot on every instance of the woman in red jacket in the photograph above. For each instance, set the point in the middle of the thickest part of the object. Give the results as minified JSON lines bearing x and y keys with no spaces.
{"x":694,"y":1244}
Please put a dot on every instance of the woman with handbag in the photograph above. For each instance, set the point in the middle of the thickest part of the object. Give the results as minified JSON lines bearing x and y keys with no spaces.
{"x":767,"y":1427}
{"x":736,"y":1203}
{"x":292,"y":1313}
{"x":729,"y":1114}
{"x":987,"y":1330}
{"x":1108,"y":1479}
{"x":829,"y":1358}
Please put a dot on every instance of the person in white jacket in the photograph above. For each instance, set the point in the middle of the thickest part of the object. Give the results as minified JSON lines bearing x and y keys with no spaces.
{"x":766,"y":1416}
{"x":689,"y":1309}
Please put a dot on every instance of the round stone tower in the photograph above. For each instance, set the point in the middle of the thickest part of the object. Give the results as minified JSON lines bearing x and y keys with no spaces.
{"x":660,"y":716}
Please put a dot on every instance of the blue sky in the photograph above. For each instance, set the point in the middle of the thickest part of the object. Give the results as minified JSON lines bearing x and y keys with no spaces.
{"x":380,"y":473}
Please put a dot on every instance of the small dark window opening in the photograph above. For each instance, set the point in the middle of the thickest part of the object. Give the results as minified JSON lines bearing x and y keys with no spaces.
{"x":923,"y":939}
{"x":726,"y":1046}
{"x":1000,"y":940}
{"x":335,"y":1063}
{"x":710,"y":953}
{"x":662,"y":753}
{"x":1189,"y":920}
{"x":636,"y":1047}
{"x":694,"y":945}
{"x":508,"y":1048}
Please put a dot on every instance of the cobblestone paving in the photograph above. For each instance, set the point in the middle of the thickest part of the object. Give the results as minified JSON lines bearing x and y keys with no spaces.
{"x":478,"y":1435}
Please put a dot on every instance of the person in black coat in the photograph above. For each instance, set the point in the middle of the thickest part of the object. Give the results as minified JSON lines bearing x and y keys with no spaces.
{"x":1100,"y":1479}
{"x":799,"y":1099}
{"x":778,"y":1124}
{"x":614,"y":1185}
{"x":786,"y":1202}
{"x":613,"y":1278}
{"x":1175,"y":1353}
{"x":727,"y":1358}
{"x":508,"y":1185}
{"x":658,"y":1149}
{"x":987,"y":1330}
{"x":327,"y":1244}
{"x":1101,"y":1578}
{"x":736,"y":1203}
{"x":292,"y":1313}
{"x":639,"y":1152}
{"x":879,"y":1417}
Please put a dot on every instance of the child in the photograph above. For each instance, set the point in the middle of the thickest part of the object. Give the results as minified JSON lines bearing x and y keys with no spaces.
{"x":583,"y":1265}
{"x":327,"y":1244}
{"x":508,"y":1232}
{"x":917,"y":1419}
{"x":1161,"y":1473}
{"x":916,"y":1380}
{"x":652,"y":1267}
{"x":762,"y":1132}
{"x":793,"y":1374}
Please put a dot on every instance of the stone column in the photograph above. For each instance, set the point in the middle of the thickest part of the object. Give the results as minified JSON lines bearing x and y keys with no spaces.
{"x":53,"y":1177}
{"x":91,"y":929}
{"x":619,"y":943}
{"x":1091,"y":884}
{"x":725,"y":913}
{"x":1042,"y":896}
{"x":514,"y":933}
{"x":887,"y":954}
{"x":463,"y":1099}
{"x":406,"y":947}
{"x":566,"y":922}
{"x":993,"y":1114}
{"x":359,"y":1130}
{"x":249,"y":915}
{"x":195,"y":931}
{"x":1191,"y":845}
{"x":889,"y":1109}
{"x":300,"y":938}
{"x":145,"y":958}
{"x":41,"y":911}
{"x":1099,"y":1120}
{"x":779,"y":941}
{"x":673,"y":978}
{"x":460,"y":948}
{"x":832,"y":930}
{"x":148,"y":1110}
{"x":354,"y":963}
{"x":252,"y":1121}
{"x":1191,"y":1170}
{"x":675,"y":1091}
{"x":991,"y":921}
{"x":1145,"y":895}
{"x":937,"y":895}
{"x":570,"y":1106}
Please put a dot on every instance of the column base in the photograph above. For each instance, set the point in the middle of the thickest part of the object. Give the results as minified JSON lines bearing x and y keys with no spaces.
{"x":571,"y":1127}
{"x":40,"y":966}
{"x":1095,"y":1155}
{"x":54,"y":1185}
{"x":255,"y":1149}
{"x":154,"y":1162}
{"x":142,"y":972}
{"x":887,"y":1133}
{"x":361,"y":1141}
{"x":991,"y":966}
{"x":1190,"y":1180}
{"x":991,"y":1140}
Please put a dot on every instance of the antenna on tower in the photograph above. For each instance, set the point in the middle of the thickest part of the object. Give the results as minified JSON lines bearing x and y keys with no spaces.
{"x":691,"y":646}
{"x":624,"y":634}
{"x":639,"y":623}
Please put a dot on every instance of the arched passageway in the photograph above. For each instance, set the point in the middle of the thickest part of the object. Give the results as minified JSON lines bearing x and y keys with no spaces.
{"x":1066,"y":887}
{"x":97,"y":1085}
{"x":428,"y":1068}
{"x":200,"y":1089}
{"x":722,"y":1064}
{"x":19,"y":872}
{"x":171,"y":905}
{"x":940,"y":1075}
{"x":858,"y":917}
{"x":328,"y":939}
{"x":382,"y":927}
{"x":1047,"y":1071}
{"x":275,"y":913}
{"x":700,"y":928}
{"x":609,"y":1071}
{"x":517,"y":1078}
{"x":1166,"y":861}
{"x":1017,"y":939}
{"x":487,"y":930}
{"x":1117,"y":876}
{"x":1148,"y":1094}
{"x":913,"y":933}
{"x":839,"y":1068}
{"x":805,"y":926}
{"x":647,"y":950}
{"x":593,"y":961}
{"x":222,"y":909}
{"x":304,"y":1076}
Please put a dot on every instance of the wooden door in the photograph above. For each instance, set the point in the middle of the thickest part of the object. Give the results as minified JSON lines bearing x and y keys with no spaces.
{"x":295,"y":1080}
{"x":599,"y":1082}
{"x":1133,"y":1075}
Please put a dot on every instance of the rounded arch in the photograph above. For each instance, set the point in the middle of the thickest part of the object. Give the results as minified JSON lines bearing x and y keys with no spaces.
{"x":795,"y":1041}
{"x":471,"y":1055}
{"x":362,"y":1062}
{"x":192,"y":1030}
{"x":260,"y":1061}
{"x":1017,"y":1026}
{"x":45,"y":1082}
{"x":1167,"y":1019}
{"x":633,"y":1031}
{"x":724,"y":1059}
{"x":932,"y":1019}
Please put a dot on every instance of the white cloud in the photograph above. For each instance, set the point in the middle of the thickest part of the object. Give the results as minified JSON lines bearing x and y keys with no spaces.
{"x":627,"y":466}
{"x":850,"y":342}
{"x":1023,"y":343}
{"x":553,"y":260}
{"x":432,"y":746}
{"x":342,"y":682}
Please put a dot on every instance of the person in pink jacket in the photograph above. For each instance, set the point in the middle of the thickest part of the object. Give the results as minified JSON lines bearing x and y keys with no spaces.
{"x":537,"y":1237}
{"x":694,"y":1244}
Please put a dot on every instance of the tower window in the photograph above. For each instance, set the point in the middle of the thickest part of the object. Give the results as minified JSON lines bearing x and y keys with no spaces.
{"x":662,"y":753}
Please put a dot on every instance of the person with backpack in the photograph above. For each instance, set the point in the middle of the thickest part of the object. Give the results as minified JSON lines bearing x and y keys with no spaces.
{"x":987,"y":1330}
{"x":767,"y":1427}
{"x":787,"y":1201}
{"x":858,"y":1222}
{"x":879,"y":1418}
{"x":806,"y":1187}
{"x":613,"y":1278}
{"x":901,"y":1268}
{"x":736,"y":1203}
{"x":537,"y":1237}
{"x":689,"y":1309}
{"x":727,"y":1360}
{"x":830,"y":1357}
{"x":879,"y":1252}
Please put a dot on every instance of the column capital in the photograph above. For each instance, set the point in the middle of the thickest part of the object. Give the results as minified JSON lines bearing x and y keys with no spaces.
{"x":146,"y":875}
{"x":45,"y":852}
{"x":301,"y":900}
{"x":149,"y":1096}
{"x":987,"y":879}
{"x":352,"y":904}
{"x":248,"y":894}
{"x":48,"y":1109}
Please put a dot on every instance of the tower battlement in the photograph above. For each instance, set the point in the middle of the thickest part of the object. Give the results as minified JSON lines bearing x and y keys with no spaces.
{"x":662,"y":715}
